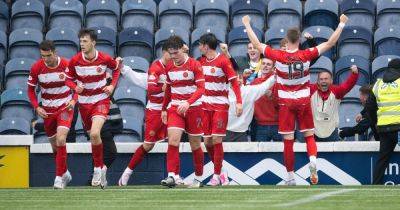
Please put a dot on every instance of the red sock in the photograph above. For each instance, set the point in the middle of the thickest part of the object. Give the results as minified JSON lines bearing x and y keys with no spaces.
{"x":311,"y":146}
{"x":97,"y":154}
{"x":218,"y":158}
{"x":288,"y":154}
{"x":173,"y":160}
{"x":210,"y":152}
{"x":198,"y":161}
{"x":137,"y":157}
{"x":61,"y":160}
{"x":178,"y":168}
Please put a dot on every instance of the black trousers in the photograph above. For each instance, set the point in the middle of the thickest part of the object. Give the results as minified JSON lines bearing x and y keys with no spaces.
{"x":109,"y":148}
{"x":388,"y":141}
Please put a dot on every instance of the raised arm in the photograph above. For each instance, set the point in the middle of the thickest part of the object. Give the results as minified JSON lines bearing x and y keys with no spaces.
{"x":252,"y":36}
{"x":325,"y":46}
{"x":346,"y":86}
{"x":139,"y":79}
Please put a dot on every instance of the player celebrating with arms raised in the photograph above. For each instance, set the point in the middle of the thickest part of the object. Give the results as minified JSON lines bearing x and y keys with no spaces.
{"x":293,"y":79}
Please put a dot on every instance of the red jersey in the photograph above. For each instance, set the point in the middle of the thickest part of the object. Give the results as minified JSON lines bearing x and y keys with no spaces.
{"x":184,"y":83}
{"x":293,"y":76}
{"x":155,"y":80}
{"x":217,"y":73}
{"x":55,"y":94}
{"x":92,"y":75}
{"x":266,"y":107}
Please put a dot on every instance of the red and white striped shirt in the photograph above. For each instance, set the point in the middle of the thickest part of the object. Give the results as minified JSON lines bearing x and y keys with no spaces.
{"x":55,"y":94}
{"x":217,"y":73}
{"x":155,"y":80}
{"x":92,"y":75}
{"x":185,"y":83}
{"x":293,"y":76}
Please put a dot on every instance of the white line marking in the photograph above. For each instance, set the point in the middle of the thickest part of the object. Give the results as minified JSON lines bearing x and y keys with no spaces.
{"x":315,"y":198}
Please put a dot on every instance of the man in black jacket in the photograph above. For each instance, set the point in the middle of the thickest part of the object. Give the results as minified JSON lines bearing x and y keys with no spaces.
{"x":382,"y":108}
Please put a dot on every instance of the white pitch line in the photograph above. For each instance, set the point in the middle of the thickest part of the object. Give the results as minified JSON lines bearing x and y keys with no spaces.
{"x":315,"y":198}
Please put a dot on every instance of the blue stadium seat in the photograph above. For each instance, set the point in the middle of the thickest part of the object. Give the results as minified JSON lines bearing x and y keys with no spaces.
{"x":106,"y":40}
{"x":322,"y":64}
{"x":15,"y":103}
{"x":137,"y":64}
{"x":321,"y":13}
{"x":164,"y":33}
{"x":284,"y":13}
{"x":342,"y":69}
{"x":360,"y":13}
{"x":238,"y":40}
{"x":255,"y":8}
{"x":348,"y":112}
{"x":132,"y":130}
{"x":139,"y":13}
{"x":4,"y":16}
{"x":212,"y":13}
{"x":273,"y":36}
{"x":66,"y":41}
{"x":387,"y":13}
{"x":80,"y":131}
{"x":379,"y":65}
{"x":14,"y":126}
{"x":320,"y":34}
{"x":27,"y":14}
{"x":3,"y":47}
{"x":17,"y":72}
{"x":24,"y":43}
{"x":197,"y":33}
{"x":353,"y":95}
{"x":103,"y":13}
{"x":131,"y":101}
{"x":355,"y":40}
{"x":387,"y":41}
{"x":136,"y":42}
{"x":172,"y":13}
{"x":67,"y":14}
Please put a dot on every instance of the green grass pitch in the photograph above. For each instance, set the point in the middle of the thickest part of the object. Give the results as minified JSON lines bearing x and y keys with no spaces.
{"x":231,"y":197}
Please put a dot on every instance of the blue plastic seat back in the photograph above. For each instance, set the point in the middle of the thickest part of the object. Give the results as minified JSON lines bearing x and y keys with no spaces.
{"x":106,"y":40}
{"x":66,"y":41}
{"x":17,"y":72}
{"x":4,"y":16}
{"x":348,"y":112}
{"x":67,"y":14}
{"x":380,"y":64}
{"x":284,"y":13}
{"x":131,"y":94}
{"x":164,"y":33}
{"x":138,"y":64}
{"x":360,"y":13}
{"x":387,"y":13}
{"x":136,"y":42}
{"x":254,"y":8}
{"x":132,"y":130}
{"x":321,"y":13}
{"x":24,"y":43}
{"x":320,"y":34}
{"x":15,"y":103}
{"x":212,"y":13}
{"x":238,"y":40}
{"x":387,"y":41}
{"x":27,"y":14}
{"x":103,"y":13}
{"x":14,"y":126}
{"x":3,"y":47}
{"x":342,"y":69}
{"x":355,"y":40}
{"x":197,"y":33}
{"x":273,"y":36}
{"x":139,"y":13}
{"x":172,"y":13}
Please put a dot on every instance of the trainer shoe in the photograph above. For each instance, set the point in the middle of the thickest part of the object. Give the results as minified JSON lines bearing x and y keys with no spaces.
{"x":103,"y":179}
{"x":168,"y":182}
{"x":96,"y":179}
{"x":179,"y":180}
{"x":291,"y":182}
{"x":58,"y":183}
{"x":313,"y":174}
{"x":223,"y":177}
{"x":66,"y":178}
{"x":123,"y":181}
{"x":196,"y":184}
{"x":214,"y":181}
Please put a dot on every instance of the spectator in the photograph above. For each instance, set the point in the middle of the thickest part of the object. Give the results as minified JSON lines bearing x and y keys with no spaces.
{"x":253,"y":70}
{"x":266,"y":108}
{"x":325,"y":101}
{"x":363,"y":123}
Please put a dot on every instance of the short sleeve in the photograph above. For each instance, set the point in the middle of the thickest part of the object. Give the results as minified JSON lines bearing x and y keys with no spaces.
{"x":111,"y":63}
{"x":198,"y":71}
{"x":33,"y":75}
{"x":271,"y":53}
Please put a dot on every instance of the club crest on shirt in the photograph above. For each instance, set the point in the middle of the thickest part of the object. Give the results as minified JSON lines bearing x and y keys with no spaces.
{"x":212,"y":70}
{"x":99,"y":69}
{"x":61,"y":76}
{"x":185,"y":74}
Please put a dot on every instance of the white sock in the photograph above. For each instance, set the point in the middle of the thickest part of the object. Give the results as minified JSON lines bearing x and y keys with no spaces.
{"x":128,"y":171}
{"x":198,"y":178}
{"x":290,"y":175}
{"x":313,"y":160}
{"x":215,"y":176}
{"x":171,"y":174}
